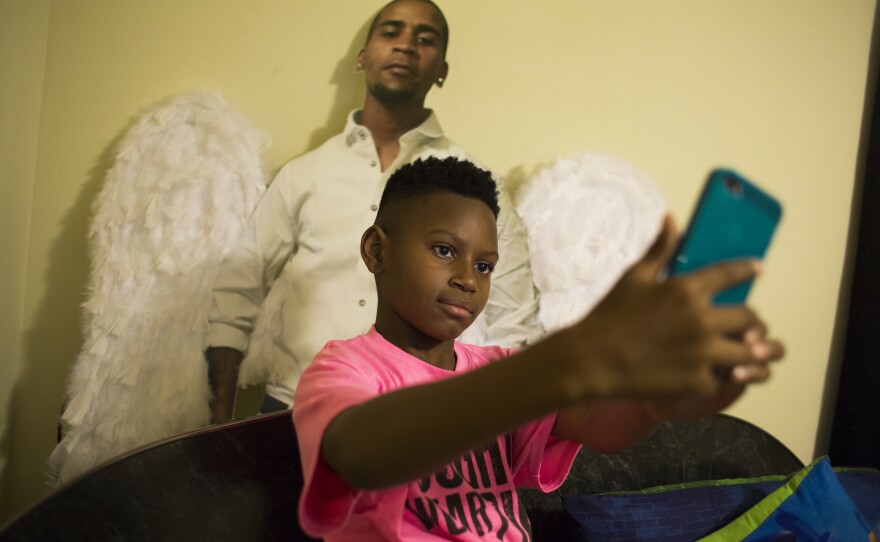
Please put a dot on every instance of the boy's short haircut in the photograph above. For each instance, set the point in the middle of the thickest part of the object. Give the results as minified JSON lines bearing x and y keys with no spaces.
{"x":429,"y":176}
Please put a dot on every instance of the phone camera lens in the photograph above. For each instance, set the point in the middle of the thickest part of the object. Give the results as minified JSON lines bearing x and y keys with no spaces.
{"x":734,"y":187}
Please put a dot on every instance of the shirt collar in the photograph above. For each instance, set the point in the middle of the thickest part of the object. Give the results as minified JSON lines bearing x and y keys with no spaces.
{"x":429,"y":129}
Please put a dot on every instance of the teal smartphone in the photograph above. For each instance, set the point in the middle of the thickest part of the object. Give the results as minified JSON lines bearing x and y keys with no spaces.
{"x":733,"y":219}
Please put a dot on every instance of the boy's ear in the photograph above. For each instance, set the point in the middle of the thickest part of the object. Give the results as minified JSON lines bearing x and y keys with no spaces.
{"x":373,"y":246}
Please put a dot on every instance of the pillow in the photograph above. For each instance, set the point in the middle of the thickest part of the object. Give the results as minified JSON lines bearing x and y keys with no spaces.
{"x":666,"y":514}
{"x":691,"y":511}
{"x":863,"y":487}
{"x":811,"y":506}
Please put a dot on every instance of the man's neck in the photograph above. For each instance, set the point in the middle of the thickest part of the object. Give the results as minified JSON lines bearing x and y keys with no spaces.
{"x":387,"y":123}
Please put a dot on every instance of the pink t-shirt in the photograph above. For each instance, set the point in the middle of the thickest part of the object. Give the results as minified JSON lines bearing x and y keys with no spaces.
{"x":473,"y":498}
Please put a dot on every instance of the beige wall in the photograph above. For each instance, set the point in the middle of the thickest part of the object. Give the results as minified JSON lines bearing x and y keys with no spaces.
{"x":24,"y":28}
{"x":773,"y":88}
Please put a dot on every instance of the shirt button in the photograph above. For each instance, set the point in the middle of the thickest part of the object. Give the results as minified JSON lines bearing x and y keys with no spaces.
{"x":362,"y":302}
{"x":374,"y":207}
{"x":372,"y":163}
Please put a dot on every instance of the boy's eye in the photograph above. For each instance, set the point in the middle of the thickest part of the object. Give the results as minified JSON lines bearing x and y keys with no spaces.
{"x":442,"y":250}
{"x":425,"y":40}
{"x":485,"y":268}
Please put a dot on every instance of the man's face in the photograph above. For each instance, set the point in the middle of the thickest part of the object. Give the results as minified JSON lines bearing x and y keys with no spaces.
{"x":437,"y":269}
{"x":404,"y":55}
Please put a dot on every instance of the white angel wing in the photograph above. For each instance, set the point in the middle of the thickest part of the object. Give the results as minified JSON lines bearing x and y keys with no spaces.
{"x":185,"y":179}
{"x":588,"y":217}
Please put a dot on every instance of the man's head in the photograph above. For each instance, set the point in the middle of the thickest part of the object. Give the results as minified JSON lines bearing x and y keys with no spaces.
{"x":405,"y":52}
{"x":432,"y":248}
{"x":444,"y":26}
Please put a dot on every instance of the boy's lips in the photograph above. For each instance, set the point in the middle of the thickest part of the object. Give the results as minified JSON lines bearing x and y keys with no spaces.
{"x":458,"y":307}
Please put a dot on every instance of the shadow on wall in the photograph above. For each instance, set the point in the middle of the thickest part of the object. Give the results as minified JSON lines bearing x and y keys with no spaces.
{"x":5,"y":461}
{"x":349,"y":91}
{"x":518,"y":176}
{"x":842,"y":314}
{"x":50,"y":347}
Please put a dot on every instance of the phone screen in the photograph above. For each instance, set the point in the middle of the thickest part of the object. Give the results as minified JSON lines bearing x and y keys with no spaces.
{"x":733,"y":219}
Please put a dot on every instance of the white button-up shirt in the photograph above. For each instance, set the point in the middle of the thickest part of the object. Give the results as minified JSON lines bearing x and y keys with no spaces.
{"x":309,"y":223}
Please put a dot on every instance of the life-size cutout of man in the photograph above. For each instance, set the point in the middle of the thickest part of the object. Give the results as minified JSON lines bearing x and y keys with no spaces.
{"x":314,"y":211}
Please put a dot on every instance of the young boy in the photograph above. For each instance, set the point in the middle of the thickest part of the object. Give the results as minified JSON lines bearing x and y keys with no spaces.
{"x":406,"y":434}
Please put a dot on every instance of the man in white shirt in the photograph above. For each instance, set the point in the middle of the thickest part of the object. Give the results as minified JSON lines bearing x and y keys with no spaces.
{"x":309,"y":222}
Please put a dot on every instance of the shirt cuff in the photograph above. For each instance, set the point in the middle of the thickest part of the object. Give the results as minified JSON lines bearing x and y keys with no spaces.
{"x":223,"y":335}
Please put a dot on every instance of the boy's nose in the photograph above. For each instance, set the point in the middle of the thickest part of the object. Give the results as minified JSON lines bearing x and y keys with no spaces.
{"x":464,"y":278}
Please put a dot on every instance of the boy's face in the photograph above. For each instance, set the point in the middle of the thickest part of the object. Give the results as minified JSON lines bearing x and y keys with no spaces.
{"x":436,"y":270}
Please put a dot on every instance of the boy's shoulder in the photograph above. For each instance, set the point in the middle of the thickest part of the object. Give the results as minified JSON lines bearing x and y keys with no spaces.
{"x":481,"y":355}
{"x":361,"y":344}
{"x":370,"y":347}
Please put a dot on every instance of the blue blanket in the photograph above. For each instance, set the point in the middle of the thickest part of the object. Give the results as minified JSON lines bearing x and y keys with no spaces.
{"x":816,"y":503}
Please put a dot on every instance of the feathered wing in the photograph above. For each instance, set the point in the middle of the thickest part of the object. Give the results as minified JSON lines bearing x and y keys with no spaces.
{"x":588,"y":217}
{"x":267,"y":358}
{"x":185,"y":179}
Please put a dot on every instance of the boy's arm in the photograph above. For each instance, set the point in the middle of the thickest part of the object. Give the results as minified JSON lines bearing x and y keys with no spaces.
{"x":612,"y":426}
{"x":405,"y":434}
{"x":644,"y":341}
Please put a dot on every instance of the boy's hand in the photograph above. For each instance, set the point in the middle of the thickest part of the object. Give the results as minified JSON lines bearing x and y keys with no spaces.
{"x":653,"y":340}
{"x":730,"y":385}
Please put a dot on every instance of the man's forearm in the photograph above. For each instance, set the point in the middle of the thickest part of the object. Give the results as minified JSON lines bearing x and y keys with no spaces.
{"x":223,"y":365}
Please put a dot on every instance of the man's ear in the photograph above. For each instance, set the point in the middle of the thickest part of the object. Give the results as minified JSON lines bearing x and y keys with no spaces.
{"x":359,"y":61}
{"x":443,"y":75}
{"x":374,"y":243}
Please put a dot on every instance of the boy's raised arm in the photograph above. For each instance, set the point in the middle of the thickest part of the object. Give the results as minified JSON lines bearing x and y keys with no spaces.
{"x":667,"y":335}
{"x":649,"y":351}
